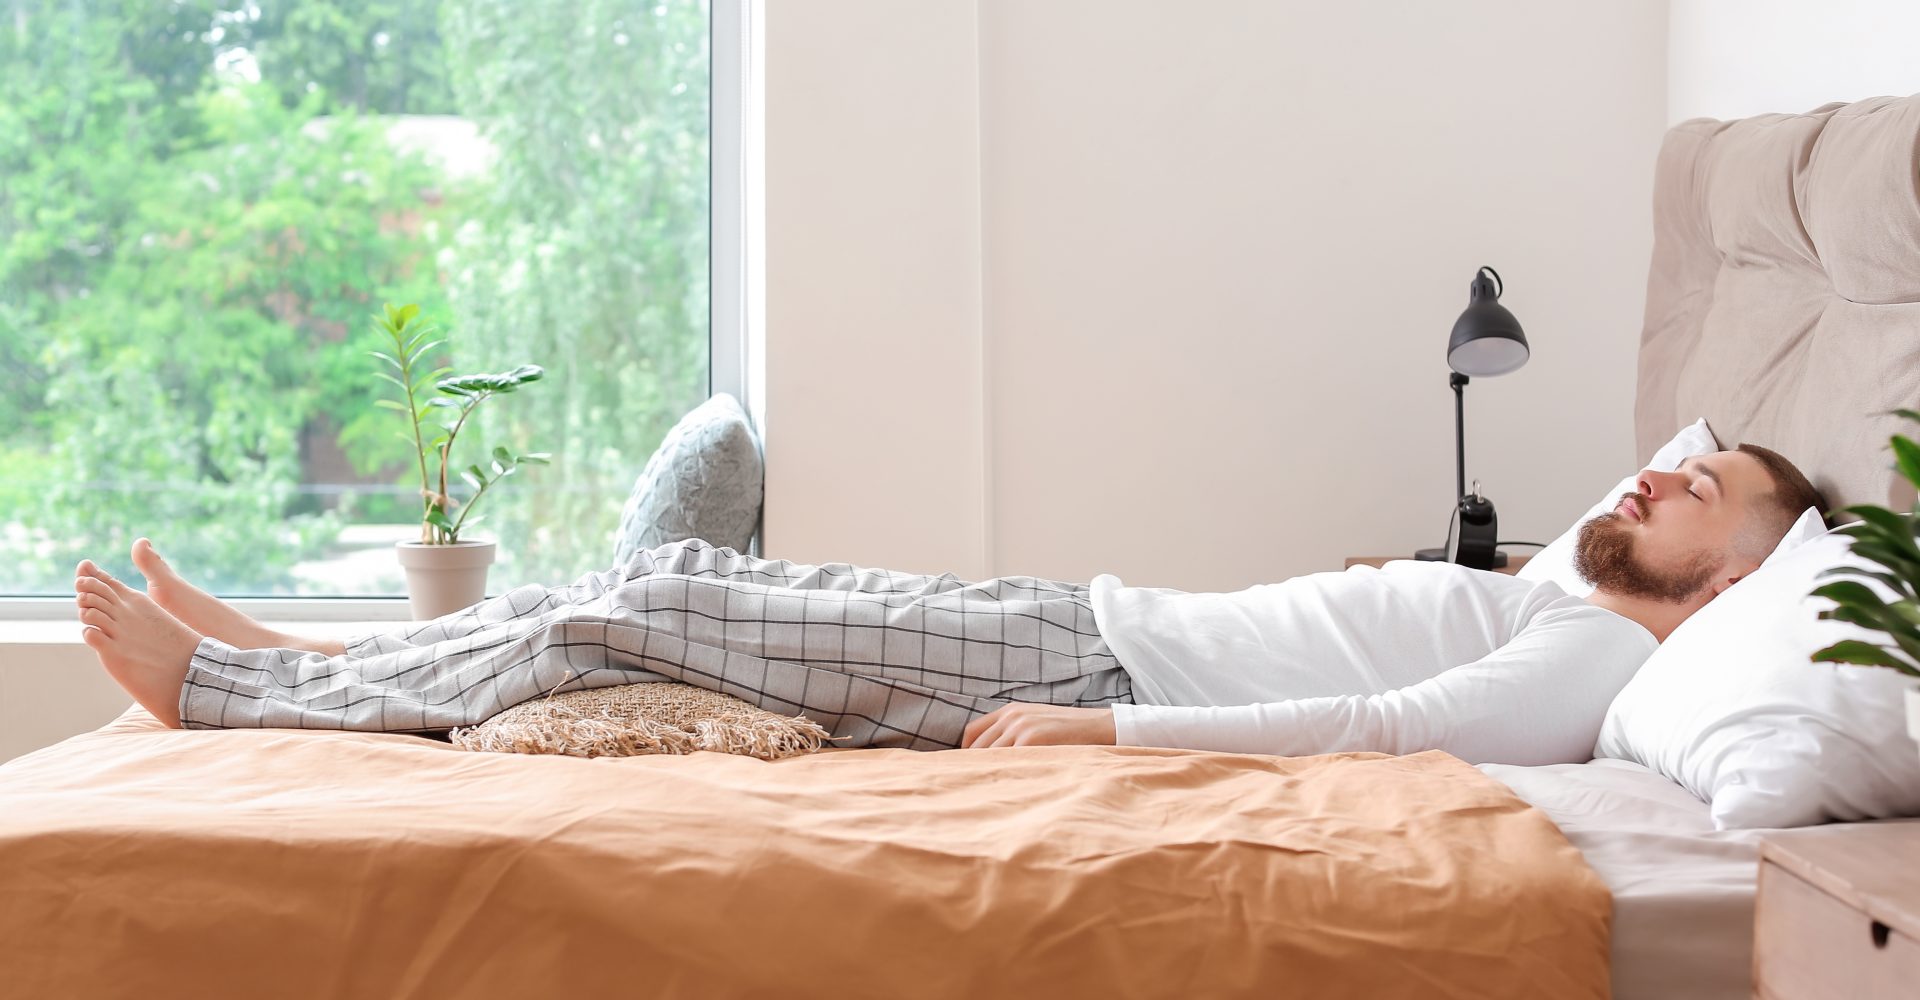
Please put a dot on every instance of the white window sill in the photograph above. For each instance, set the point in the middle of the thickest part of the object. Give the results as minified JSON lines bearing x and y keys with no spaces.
{"x":48,"y":621}
{"x":19,"y":632}
{"x":53,"y":621}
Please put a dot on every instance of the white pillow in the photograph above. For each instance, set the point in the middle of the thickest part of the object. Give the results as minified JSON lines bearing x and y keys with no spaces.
{"x":1731,"y":707}
{"x":1555,"y":562}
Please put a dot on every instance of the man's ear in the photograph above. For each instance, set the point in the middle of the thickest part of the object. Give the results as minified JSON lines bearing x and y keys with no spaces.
{"x":1731,"y":574}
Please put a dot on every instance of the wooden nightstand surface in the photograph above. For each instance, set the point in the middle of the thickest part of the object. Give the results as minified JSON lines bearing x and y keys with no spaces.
{"x":1871,"y":867}
{"x":1838,"y":912}
{"x":1515,"y":560}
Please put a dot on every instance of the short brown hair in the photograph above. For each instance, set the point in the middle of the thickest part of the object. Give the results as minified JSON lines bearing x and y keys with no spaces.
{"x":1775,"y":512}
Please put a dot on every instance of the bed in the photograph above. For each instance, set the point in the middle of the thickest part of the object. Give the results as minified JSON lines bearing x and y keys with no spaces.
{"x":136,"y":860}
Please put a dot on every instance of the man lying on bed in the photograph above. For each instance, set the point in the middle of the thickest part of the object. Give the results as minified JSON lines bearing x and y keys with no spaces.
{"x":1410,"y":657}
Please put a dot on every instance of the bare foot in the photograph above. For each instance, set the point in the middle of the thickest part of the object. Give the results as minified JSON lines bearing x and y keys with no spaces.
{"x":145,"y":648}
{"x":209,"y":615}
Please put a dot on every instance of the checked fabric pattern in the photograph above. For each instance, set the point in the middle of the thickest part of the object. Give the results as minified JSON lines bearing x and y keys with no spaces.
{"x":880,"y":659}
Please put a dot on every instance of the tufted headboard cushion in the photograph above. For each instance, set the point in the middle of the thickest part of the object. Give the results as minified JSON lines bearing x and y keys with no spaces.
{"x":1784,"y":299}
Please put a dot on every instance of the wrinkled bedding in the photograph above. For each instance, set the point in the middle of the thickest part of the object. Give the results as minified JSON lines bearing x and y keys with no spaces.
{"x":1683,"y":892}
{"x":136,"y":860}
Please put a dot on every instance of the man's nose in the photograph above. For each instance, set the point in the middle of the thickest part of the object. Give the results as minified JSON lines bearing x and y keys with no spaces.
{"x":1647,"y":484}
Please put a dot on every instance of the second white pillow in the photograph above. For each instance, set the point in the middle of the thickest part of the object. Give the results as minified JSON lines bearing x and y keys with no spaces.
{"x":1732,"y":707}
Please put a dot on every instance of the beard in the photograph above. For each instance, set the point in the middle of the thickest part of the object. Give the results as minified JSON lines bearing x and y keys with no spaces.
{"x":1604,"y":556}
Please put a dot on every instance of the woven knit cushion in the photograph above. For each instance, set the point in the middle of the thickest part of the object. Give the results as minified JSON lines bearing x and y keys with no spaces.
{"x":631,"y":719}
{"x":704,"y":481}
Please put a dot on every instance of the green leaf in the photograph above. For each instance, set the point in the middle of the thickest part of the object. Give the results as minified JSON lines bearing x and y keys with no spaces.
{"x":1907,"y":454}
{"x":1849,"y":592}
{"x":482,"y":382}
{"x":438,"y":518}
{"x":389,"y":359}
{"x":499,"y":470}
{"x":1864,"y":654}
{"x":473,"y":481}
{"x":391,"y":404}
{"x":1895,"y":529}
{"x":503,"y":455}
{"x":537,"y":458}
{"x":1894,"y":583}
{"x":1887,"y":556}
{"x":408,"y":312}
{"x":1913,"y":415}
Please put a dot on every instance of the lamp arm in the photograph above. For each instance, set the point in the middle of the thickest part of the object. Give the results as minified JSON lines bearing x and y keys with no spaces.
{"x":1459,"y":382}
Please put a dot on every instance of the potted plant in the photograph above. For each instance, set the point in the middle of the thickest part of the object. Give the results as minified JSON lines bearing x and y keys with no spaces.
{"x":445,"y":572}
{"x":1887,"y":540}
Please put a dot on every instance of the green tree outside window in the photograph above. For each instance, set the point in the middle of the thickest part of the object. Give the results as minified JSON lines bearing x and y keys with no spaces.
{"x":201,"y":203}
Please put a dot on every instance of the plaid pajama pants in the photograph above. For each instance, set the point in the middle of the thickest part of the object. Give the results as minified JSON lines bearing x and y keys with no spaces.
{"x":885,"y":659}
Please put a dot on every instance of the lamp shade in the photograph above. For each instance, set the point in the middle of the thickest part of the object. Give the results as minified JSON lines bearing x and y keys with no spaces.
{"x":1486,"y":339}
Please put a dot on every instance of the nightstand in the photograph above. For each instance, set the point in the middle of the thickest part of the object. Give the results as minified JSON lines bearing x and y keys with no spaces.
{"x":1839,"y":913}
{"x":1515,"y":560}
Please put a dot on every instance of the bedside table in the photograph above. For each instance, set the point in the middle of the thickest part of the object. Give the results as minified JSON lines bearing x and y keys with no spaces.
{"x":1839,"y":912}
{"x":1515,"y":560}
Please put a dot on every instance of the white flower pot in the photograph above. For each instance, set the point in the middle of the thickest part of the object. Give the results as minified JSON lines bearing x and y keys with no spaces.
{"x":442,"y":579}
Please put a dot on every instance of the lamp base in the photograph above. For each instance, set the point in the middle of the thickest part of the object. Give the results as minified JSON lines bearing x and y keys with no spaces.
{"x":1440,"y":555}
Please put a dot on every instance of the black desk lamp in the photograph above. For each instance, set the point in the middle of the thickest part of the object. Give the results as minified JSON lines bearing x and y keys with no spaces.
{"x":1486,"y":341}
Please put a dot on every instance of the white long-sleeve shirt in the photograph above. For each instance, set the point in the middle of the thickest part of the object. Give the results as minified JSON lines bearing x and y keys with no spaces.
{"x":1413,"y":656}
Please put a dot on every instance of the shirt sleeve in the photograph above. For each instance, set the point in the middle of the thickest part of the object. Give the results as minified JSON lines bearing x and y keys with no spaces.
{"x":1539,"y":699}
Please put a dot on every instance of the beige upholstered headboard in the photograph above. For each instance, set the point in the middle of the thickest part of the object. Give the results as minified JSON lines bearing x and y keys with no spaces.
{"x":1784,"y":299}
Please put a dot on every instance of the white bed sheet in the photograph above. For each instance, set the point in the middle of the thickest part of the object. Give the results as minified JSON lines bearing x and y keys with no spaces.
{"x":1683,"y":892}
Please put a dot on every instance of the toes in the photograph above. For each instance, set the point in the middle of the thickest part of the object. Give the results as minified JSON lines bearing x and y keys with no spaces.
{"x":94,"y":637}
{"x":97,"y":619}
{"x":88,"y":569}
{"x":96,"y":602}
{"x":92,"y":585}
{"x":146,"y":559}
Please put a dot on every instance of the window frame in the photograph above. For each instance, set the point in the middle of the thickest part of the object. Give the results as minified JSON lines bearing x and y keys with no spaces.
{"x":729,"y":28}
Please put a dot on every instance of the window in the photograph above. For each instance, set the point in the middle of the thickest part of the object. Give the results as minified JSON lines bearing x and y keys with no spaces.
{"x":203,"y":204}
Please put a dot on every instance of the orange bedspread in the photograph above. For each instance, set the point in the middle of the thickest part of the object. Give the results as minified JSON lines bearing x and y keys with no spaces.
{"x":136,"y":861}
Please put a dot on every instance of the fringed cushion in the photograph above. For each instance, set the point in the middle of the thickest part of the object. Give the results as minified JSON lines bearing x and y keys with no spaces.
{"x":656,"y":717}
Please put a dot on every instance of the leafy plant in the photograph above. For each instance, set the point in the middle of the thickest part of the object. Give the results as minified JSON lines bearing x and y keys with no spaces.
{"x":413,"y":339}
{"x":1888,"y":540}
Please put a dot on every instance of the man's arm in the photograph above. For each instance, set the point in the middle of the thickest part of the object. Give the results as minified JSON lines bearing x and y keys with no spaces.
{"x":1539,"y":699}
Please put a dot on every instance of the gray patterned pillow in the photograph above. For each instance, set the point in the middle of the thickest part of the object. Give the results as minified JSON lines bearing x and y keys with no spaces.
{"x":704,"y":482}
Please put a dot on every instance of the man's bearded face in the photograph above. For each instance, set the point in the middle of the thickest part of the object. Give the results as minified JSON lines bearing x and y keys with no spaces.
{"x":1607,"y":556}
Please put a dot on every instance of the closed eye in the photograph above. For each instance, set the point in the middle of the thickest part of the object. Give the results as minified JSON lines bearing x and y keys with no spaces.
{"x":1696,"y":496}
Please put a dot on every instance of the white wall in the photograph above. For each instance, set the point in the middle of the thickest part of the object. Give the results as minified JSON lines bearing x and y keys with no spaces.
{"x":872,"y":284}
{"x":1733,"y":58}
{"x":1162,"y":290}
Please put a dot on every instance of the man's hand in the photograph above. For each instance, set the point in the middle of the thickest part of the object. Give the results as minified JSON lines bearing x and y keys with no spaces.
{"x":1024,"y":725}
